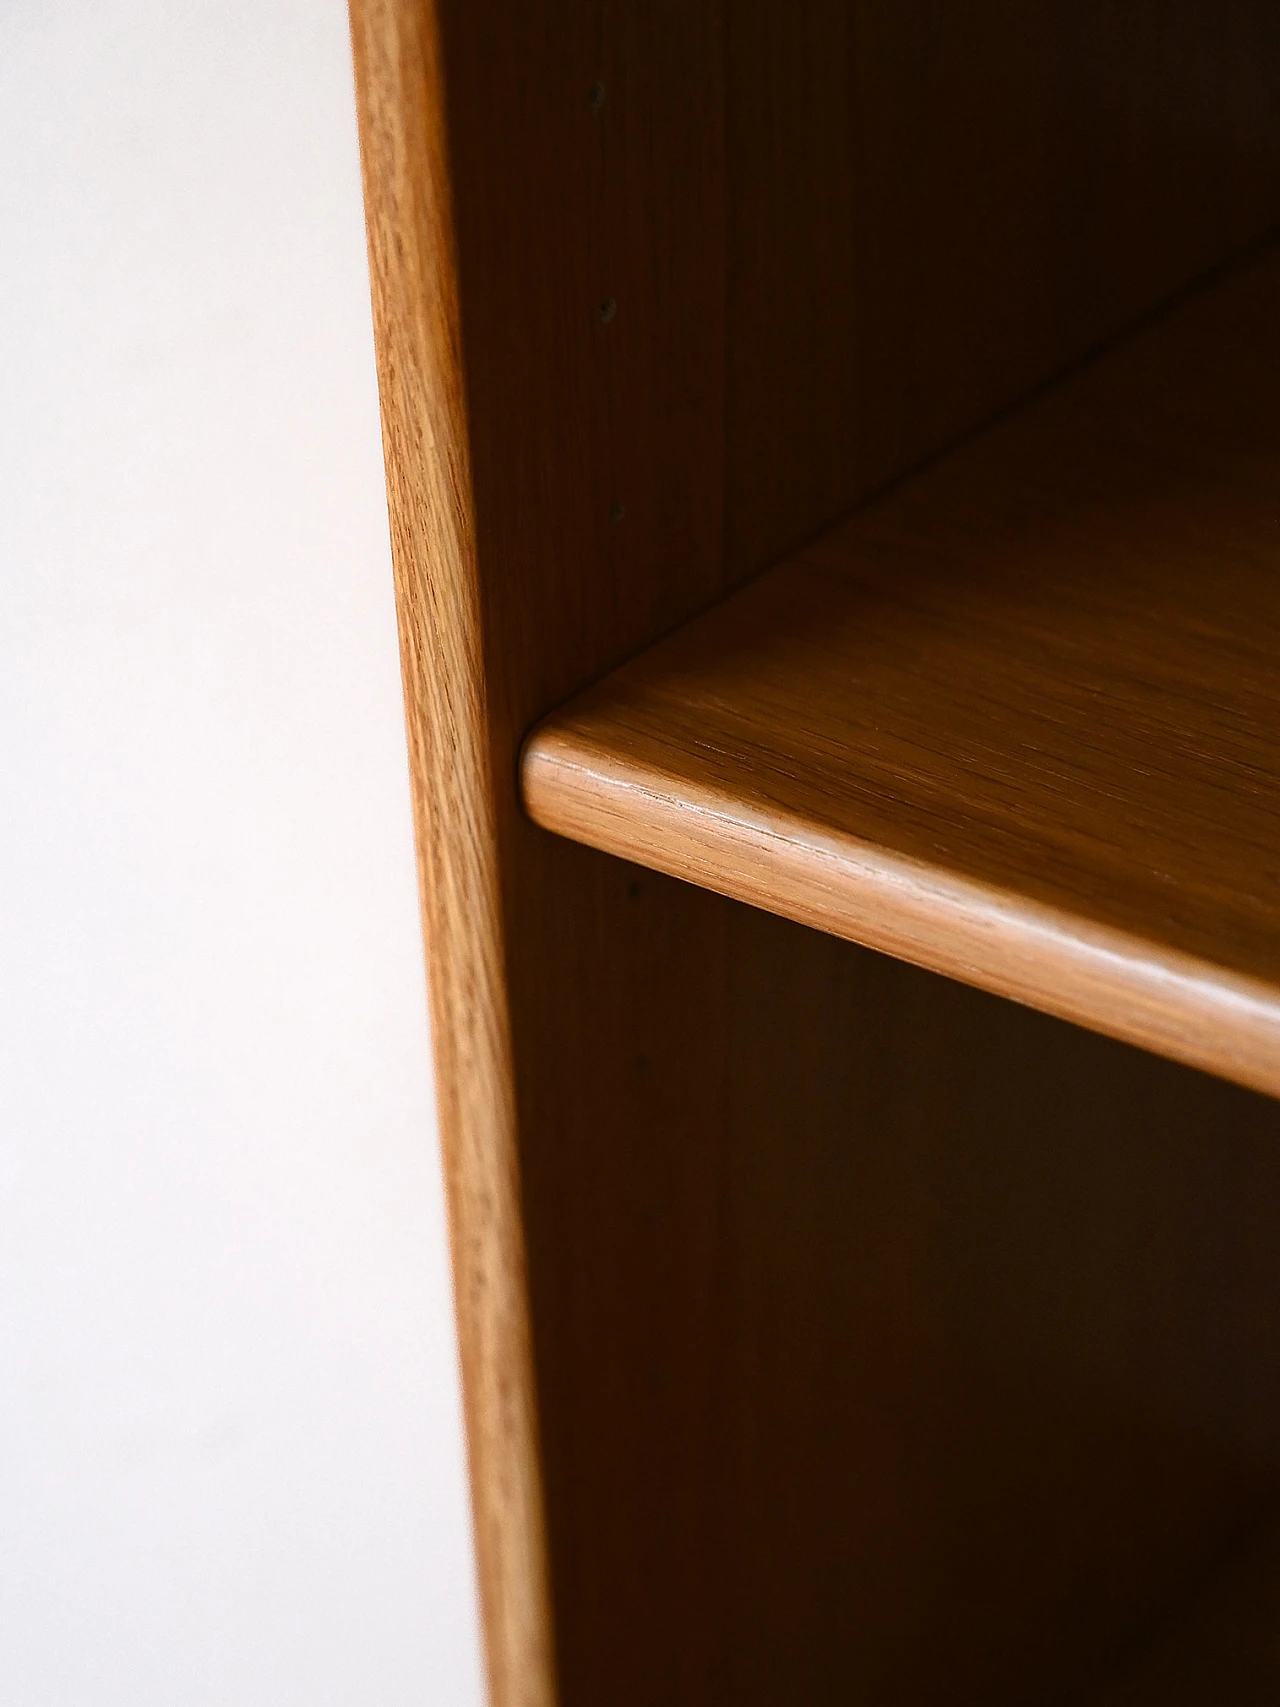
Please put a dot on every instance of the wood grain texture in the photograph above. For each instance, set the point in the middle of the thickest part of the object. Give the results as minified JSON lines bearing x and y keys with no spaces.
{"x":697,"y":1424}
{"x":596,"y":456}
{"x":449,"y":714}
{"x":555,"y":492}
{"x":1019,"y":721}
{"x":1004,"y":1369}
{"x":932,"y":207}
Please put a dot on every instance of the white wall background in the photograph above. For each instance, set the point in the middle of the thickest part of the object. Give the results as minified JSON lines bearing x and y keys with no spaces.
{"x":230,"y":1451}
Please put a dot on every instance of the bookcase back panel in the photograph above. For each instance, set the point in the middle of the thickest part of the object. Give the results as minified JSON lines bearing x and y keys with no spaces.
{"x":934,"y":205}
{"x":1004,"y":1376}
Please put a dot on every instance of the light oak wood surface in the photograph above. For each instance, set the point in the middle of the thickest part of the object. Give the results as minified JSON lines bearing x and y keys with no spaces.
{"x":800,"y":1293}
{"x":412,"y":261}
{"x":1017,"y":721}
{"x":555,"y":496}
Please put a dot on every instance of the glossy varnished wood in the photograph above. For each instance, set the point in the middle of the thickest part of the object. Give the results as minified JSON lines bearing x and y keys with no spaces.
{"x":1018,"y":721}
{"x":660,"y":291}
{"x":449,"y":705}
{"x":555,"y":498}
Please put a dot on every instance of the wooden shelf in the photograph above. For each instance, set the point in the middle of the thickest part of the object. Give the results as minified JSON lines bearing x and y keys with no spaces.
{"x":1017,"y":721}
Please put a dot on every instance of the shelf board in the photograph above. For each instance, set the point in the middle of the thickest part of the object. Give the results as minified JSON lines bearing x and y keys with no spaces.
{"x":1017,"y":721}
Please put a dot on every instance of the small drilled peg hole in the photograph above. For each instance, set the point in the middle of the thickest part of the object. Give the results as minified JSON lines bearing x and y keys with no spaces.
{"x":595,"y":97}
{"x":616,"y":511}
{"x":608,"y":308}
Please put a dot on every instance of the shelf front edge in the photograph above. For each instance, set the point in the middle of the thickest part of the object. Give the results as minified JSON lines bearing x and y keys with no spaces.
{"x":996,"y":940}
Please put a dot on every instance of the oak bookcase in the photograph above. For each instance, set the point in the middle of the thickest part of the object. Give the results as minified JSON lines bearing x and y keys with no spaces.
{"x":833,"y":457}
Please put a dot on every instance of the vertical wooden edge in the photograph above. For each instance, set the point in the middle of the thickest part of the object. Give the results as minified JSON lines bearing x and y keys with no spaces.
{"x":400,"y":102}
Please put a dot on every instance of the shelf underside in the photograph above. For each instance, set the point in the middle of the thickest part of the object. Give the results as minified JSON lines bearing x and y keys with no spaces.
{"x":1017,"y":721}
